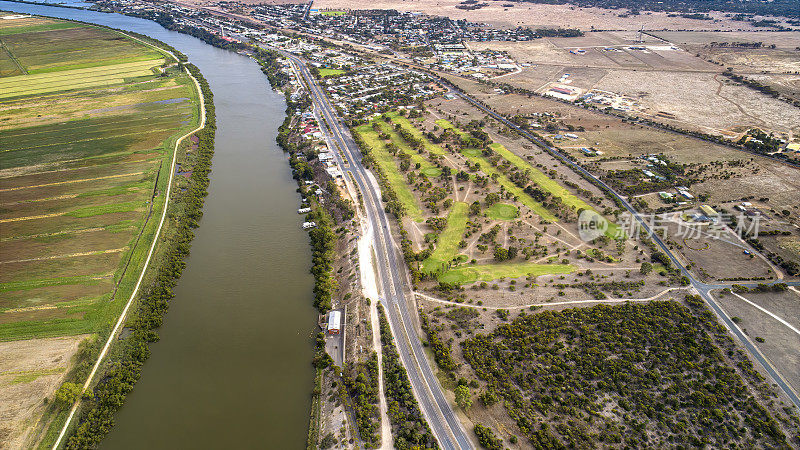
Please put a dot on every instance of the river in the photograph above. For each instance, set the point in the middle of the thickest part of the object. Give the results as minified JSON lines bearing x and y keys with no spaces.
{"x":233,"y":367}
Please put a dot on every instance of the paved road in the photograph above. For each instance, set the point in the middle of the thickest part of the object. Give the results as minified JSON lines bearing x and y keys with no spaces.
{"x":703,"y":289}
{"x":392,"y":276}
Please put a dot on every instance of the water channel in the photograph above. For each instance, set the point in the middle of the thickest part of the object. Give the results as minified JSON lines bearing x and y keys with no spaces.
{"x":232,"y":369}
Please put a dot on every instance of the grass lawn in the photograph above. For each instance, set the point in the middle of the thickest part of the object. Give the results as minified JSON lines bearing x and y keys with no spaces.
{"x":502,"y":211}
{"x":333,"y":13}
{"x":407,"y":125}
{"x":471,"y":152}
{"x":388,"y":166}
{"x":447,"y":244}
{"x":425,"y":166}
{"x":330,"y":72}
{"x":542,"y":180}
{"x":471,"y":274}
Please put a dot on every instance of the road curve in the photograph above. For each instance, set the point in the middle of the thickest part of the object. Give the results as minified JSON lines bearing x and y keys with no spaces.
{"x":392,"y":277}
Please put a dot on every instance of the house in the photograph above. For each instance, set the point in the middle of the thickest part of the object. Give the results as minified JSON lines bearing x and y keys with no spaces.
{"x":709,"y":211}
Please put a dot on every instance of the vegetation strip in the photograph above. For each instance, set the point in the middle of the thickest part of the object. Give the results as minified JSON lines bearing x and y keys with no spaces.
{"x":408,"y":424}
{"x":118,"y":380}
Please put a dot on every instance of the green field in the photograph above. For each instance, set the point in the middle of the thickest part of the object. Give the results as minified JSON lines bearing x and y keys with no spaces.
{"x":88,"y":127}
{"x":46,"y":45}
{"x":50,"y":82}
{"x":502,"y":211}
{"x":425,"y":166}
{"x":333,"y":13}
{"x":490,"y":272}
{"x":407,"y":125}
{"x":330,"y":72}
{"x":447,"y":243}
{"x":389,"y":168}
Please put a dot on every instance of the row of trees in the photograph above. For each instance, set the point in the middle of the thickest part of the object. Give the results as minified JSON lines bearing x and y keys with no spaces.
{"x":441,"y":350}
{"x":361,"y":380}
{"x":409,"y":428}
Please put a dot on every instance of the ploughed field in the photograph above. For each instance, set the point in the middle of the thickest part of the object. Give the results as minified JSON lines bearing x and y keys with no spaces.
{"x":89,"y":119}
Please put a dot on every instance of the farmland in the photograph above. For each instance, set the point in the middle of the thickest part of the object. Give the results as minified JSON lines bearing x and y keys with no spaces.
{"x":90,"y":119}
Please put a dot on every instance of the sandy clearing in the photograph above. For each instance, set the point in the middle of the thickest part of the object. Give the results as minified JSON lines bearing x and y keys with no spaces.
{"x":22,"y":402}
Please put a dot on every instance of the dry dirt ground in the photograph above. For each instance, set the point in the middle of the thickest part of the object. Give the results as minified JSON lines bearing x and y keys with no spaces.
{"x":30,"y":372}
{"x":539,"y":15}
{"x":621,"y":143}
{"x":664,"y":78}
{"x":781,"y":344}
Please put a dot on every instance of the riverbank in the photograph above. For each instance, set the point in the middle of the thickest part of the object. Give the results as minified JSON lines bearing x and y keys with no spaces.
{"x":216,"y":378}
{"x":107,"y":188}
{"x":98,"y":401}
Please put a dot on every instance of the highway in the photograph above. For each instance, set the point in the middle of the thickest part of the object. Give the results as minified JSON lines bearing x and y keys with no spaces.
{"x":703,"y":289}
{"x":393,"y":279}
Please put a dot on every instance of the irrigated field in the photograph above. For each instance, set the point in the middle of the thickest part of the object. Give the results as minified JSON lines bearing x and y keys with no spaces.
{"x":89,"y":122}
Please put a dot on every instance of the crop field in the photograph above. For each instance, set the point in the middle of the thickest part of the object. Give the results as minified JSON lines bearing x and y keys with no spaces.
{"x":87,"y":139}
{"x":68,"y":46}
{"x":48,"y":82}
{"x":79,"y":182}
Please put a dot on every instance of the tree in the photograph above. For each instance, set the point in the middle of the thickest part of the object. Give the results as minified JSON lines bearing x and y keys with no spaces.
{"x":474,"y":209}
{"x":67,"y":394}
{"x":463,"y":399}
{"x":500,"y":254}
{"x":646,"y":268}
{"x":492,"y":198}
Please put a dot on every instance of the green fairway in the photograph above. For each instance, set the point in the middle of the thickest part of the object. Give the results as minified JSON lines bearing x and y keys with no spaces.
{"x":541,"y":180}
{"x":425,"y":166}
{"x":464,"y":275}
{"x":389,"y":168}
{"x":408,"y":126}
{"x":447,"y":244}
{"x":502,"y":211}
{"x":330,"y":72}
